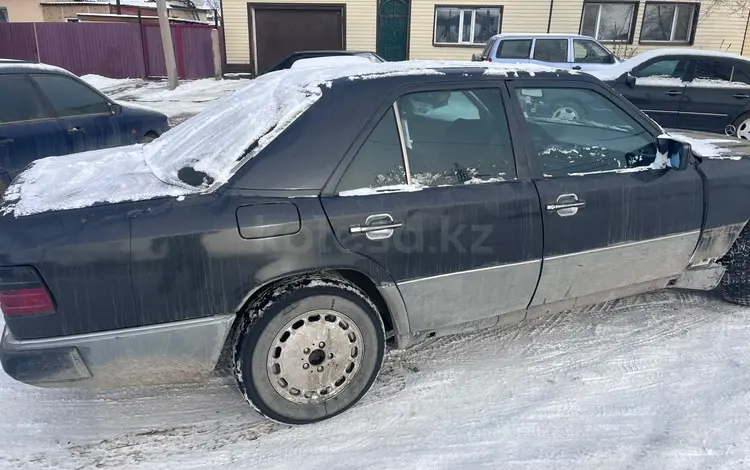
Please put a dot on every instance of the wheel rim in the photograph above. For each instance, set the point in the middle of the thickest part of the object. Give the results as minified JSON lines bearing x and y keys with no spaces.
{"x":565,"y":112}
{"x":743,"y":130}
{"x":315,"y":356}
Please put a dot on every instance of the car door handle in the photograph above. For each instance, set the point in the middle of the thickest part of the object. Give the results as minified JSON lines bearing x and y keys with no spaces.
{"x":6,"y":141}
{"x":576,"y":67}
{"x":566,"y":205}
{"x":376,"y":227}
{"x":674,"y":93}
{"x":76,"y":130}
{"x":741,"y":96}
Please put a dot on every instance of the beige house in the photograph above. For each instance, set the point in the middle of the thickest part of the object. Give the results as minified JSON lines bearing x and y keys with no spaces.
{"x":259,"y":34}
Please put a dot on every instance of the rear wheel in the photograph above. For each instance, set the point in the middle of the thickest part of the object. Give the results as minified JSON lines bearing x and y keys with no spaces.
{"x":735,"y":285}
{"x":311,"y":349}
{"x":740,"y":127}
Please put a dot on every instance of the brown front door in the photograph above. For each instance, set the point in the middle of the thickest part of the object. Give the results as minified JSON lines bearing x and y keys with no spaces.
{"x":278,"y":30}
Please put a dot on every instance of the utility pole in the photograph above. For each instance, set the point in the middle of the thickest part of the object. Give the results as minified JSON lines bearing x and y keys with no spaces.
{"x":166,"y":41}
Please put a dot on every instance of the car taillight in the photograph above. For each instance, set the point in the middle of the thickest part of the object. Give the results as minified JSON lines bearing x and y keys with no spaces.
{"x":23,"y":293}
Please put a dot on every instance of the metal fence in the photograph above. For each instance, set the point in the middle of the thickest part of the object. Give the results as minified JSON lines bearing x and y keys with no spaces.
{"x":117,"y":50}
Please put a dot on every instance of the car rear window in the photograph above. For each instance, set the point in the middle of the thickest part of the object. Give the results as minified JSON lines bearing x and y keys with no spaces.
{"x":488,"y":47}
{"x":514,"y":49}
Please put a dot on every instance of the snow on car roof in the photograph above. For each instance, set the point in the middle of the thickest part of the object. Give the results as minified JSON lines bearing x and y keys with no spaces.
{"x":329,"y":61}
{"x":613,"y":72}
{"x":210,"y":146}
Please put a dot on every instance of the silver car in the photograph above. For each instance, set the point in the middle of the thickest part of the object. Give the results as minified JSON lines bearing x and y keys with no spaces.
{"x":567,"y":51}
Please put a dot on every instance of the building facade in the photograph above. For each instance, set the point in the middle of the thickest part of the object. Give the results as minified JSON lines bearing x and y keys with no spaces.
{"x":258,"y":34}
{"x":33,"y":11}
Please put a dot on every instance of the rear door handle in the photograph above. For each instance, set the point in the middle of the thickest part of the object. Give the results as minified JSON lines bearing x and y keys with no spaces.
{"x":566,"y":205}
{"x":76,"y":130}
{"x":741,"y":96}
{"x":376,"y":227}
{"x":674,"y":93}
{"x":6,"y":141}
{"x":576,"y":67}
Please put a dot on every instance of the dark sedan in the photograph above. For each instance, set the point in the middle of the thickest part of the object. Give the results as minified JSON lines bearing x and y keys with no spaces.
{"x":290,"y":232}
{"x":48,"y":111}
{"x":687,"y":88}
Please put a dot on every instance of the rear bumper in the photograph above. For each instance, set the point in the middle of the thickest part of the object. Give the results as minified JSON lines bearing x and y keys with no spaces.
{"x":185,"y":351}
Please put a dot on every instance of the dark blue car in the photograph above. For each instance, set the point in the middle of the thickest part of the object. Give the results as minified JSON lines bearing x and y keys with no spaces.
{"x":49,"y":111}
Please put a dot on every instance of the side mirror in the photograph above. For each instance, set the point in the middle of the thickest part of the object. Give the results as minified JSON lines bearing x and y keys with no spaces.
{"x":612,"y":59}
{"x":115,"y":108}
{"x":629,"y":80}
{"x":679,"y":154}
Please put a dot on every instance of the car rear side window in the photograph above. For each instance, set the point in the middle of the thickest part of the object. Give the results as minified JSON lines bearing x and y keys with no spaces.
{"x":70,"y":98}
{"x":20,"y":101}
{"x":577,"y":131}
{"x":551,"y":50}
{"x":514,"y":49}
{"x":379,"y":162}
{"x":456,"y":137}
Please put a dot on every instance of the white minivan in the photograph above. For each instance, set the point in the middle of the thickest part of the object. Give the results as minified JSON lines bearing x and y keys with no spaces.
{"x":568,"y":51}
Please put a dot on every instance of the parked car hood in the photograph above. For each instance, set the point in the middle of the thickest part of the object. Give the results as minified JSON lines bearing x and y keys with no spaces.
{"x":710,"y":145}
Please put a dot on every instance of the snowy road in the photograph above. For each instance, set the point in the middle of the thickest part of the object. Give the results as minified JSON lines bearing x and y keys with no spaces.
{"x":654,"y":381}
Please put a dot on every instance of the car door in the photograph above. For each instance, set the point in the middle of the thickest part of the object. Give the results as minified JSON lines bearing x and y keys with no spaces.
{"x":432,"y":193}
{"x":589,"y":55}
{"x":552,"y":52}
{"x":28,"y":131}
{"x":84,"y":114}
{"x":715,"y":94}
{"x":514,"y":51}
{"x":609,"y":221}
{"x":658,"y":89}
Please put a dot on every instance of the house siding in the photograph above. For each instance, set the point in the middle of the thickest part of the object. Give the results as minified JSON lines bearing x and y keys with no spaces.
{"x":517,"y":18}
{"x":720,"y":29}
{"x":361,"y":26}
{"x":22,"y":11}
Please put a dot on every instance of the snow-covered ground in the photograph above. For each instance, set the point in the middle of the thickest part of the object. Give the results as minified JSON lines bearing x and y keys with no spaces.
{"x":653,"y":381}
{"x":191,"y":97}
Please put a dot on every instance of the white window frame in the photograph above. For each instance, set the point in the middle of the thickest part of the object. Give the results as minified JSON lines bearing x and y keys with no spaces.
{"x":599,"y":19}
{"x":463,"y":11}
{"x":72,"y":20}
{"x":7,"y":15}
{"x":677,"y":5}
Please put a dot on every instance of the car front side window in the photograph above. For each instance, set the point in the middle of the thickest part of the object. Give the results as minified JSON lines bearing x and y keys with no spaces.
{"x":603,"y":138}
{"x":589,"y":52}
{"x":70,"y":98}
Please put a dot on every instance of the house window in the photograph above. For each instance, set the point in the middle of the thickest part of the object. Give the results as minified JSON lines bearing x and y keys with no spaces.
{"x":471,"y":26}
{"x":71,"y":20}
{"x":669,"y":22}
{"x":612,"y":22}
{"x":4,"y":15}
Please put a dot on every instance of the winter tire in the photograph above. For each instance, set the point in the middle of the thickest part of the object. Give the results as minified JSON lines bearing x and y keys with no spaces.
{"x":735,"y":285}
{"x":309,"y":350}
{"x":742,"y":126}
